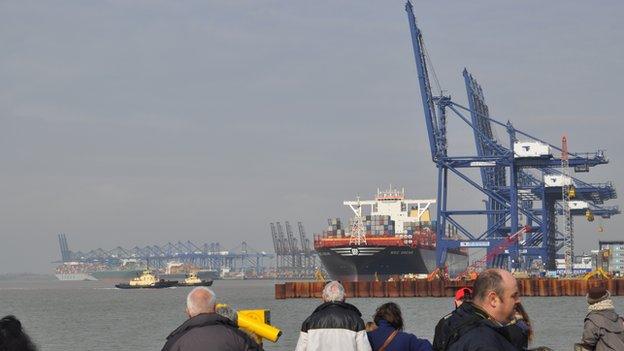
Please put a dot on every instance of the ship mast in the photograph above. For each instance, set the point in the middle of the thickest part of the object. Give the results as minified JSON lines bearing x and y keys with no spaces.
{"x":358,"y":234}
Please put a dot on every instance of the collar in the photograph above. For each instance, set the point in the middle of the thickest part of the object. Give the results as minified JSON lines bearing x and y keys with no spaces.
{"x":201,"y":320}
{"x":601,"y":306}
{"x":339,"y":304}
{"x":483,"y":314}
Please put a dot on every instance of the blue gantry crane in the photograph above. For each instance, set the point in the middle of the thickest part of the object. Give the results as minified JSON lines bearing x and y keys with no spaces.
{"x":521,"y":177}
{"x":206,"y":256}
{"x":587,"y":197}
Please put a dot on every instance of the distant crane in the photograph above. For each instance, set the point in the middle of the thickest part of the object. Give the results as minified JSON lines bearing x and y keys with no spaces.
{"x":293,"y":260}
{"x":293,"y":249}
{"x":205,"y":256}
{"x":568,"y":238}
{"x":308,"y":254}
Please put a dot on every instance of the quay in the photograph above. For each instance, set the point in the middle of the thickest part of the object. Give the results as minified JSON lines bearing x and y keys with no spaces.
{"x":544,"y":287}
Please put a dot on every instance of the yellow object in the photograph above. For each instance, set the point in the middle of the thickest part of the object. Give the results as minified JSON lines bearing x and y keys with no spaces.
{"x":426,"y":216}
{"x":599,"y":272}
{"x":589,"y":216}
{"x":318,"y":275}
{"x":258,"y":323}
{"x":572,"y":192}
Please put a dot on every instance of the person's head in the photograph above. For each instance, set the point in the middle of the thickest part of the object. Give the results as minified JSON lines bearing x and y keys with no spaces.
{"x":496,"y":292}
{"x":461,"y":295}
{"x":391,"y":313}
{"x":200,"y":300}
{"x":13,"y":337}
{"x":333,"y":292}
{"x":597,"y":294}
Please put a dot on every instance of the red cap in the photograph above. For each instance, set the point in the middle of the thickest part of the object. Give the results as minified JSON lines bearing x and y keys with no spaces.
{"x":461,"y":293}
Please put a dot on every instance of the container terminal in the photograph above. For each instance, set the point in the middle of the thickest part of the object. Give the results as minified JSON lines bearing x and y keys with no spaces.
{"x":172,"y":261}
{"x":531,"y":191}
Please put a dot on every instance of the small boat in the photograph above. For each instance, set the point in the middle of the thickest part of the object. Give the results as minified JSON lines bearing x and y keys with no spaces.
{"x":193,"y":280}
{"x":147,"y":280}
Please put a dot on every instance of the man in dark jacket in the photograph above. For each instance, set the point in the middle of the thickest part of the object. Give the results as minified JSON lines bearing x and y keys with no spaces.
{"x":205,"y":330}
{"x":334,"y":325}
{"x":604,"y":329}
{"x":440,"y":337}
{"x":480,"y":325}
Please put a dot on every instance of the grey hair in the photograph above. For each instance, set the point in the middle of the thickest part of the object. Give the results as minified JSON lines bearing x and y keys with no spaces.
{"x":200,"y":300}
{"x":333,"y":291}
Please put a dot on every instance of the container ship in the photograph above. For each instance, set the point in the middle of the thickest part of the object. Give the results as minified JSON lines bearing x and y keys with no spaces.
{"x":396,"y":238}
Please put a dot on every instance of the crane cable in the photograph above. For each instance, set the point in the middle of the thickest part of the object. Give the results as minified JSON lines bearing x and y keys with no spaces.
{"x":432,"y":70}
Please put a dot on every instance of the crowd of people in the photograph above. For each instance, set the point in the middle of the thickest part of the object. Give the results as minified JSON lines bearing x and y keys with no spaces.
{"x":487,"y":317}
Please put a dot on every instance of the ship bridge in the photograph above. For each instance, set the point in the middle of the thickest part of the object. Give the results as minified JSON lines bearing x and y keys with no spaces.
{"x":392,"y":202}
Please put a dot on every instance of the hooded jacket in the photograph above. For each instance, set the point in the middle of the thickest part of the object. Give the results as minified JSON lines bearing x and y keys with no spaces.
{"x":603,"y":331}
{"x":209,"y":332}
{"x":333,"y":326}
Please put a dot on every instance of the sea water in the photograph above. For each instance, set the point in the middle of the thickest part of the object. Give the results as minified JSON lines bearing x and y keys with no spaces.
{"x":95,"y":316}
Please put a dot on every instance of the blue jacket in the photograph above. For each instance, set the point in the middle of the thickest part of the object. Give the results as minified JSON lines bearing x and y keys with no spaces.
{"x":402,"y":341}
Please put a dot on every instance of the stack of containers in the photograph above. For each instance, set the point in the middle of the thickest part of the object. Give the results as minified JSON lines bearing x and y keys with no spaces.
{"x":411,"y":230}
{"x":420,"y":233}
{"x":377,"y":225}
{"x":335,"y":228}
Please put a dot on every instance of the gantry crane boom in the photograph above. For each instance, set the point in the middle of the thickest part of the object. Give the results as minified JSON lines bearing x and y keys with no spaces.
{"x":424,"y":82}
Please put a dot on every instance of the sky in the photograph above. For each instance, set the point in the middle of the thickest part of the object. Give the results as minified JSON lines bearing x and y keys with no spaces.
{"x":127,"y":123}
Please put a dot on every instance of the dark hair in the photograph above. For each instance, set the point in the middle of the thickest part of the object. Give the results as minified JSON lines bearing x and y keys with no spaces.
{"x":525,"y":316}
{"x":391,"y":313}
{"x":488,"y":280}
{"x":12,"y":336}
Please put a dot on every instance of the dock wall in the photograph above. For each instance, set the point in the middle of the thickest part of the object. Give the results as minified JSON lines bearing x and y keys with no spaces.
{"x":439,"y":288}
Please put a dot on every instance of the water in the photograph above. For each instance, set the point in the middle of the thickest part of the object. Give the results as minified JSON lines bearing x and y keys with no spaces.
{"x":92,"y":316}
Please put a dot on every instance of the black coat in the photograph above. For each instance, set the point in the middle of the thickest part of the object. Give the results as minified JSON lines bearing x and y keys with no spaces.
{"x":209,"y":332}
{"x":518,"y":333}
{"x":334,"y":315}
{"x":475,"y":331}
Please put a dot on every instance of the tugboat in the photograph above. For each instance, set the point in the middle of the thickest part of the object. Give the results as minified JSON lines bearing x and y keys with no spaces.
{"x":193,"y":280}
{"x":147,"y":280}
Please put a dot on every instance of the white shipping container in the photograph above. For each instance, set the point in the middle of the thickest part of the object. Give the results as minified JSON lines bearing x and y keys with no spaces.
{"x":556,"y":180}
{"x":578,"y":205}
{"x":531,"y":149}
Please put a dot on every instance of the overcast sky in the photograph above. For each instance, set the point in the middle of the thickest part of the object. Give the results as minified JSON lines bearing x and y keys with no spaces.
{"x":130,"y":123}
